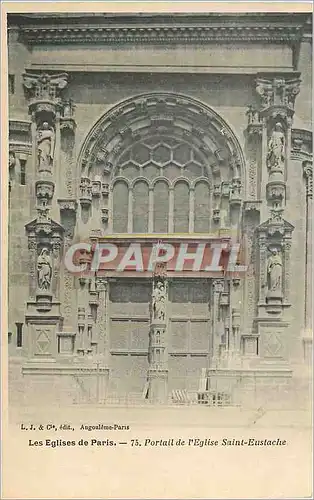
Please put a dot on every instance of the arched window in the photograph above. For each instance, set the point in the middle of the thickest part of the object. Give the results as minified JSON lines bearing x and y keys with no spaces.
{"x":161,"y":207}
{"x":140,"y":207}
{"x":156,"y":196}
{"x":120,"y":205}
{"x":202,"y":208}
{"x":181,"y":208}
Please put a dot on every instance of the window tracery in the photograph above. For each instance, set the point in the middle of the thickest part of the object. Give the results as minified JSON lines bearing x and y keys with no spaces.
{"x":161,"y":185}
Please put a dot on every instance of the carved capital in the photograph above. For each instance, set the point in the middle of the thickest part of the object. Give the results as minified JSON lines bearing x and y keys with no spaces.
{"x":301,"y":142}
{"x":218,"y":286}
{"x":101,"y":284}
{"x":67,"y":205}
{"x":252,"y":206}
{"x":44,"y":86}
{"x":255,"y":124}
{"x":278,"y":91}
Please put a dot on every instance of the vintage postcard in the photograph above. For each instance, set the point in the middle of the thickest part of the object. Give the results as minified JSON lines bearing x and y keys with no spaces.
{"x":156,"y":250}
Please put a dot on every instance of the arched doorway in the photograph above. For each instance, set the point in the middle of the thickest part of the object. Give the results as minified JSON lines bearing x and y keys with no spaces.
{"x":161,"y":164}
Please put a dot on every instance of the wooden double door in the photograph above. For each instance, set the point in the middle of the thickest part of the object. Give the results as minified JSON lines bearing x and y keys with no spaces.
{"x":188,"y":333}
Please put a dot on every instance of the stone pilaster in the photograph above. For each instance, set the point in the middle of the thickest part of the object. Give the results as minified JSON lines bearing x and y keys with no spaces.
{"x":308,"y":173}
{"x":45,"y":107}
{"x":217,"y":325}
{"x":251,"y":219}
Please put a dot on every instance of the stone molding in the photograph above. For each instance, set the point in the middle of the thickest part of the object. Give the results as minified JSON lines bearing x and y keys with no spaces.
{"x":160,"y":29}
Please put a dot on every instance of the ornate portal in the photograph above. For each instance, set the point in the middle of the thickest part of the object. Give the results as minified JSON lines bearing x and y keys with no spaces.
{"x":161,"y":226}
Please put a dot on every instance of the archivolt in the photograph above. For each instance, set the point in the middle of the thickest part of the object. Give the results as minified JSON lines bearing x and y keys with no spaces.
{"x":172,"y":115}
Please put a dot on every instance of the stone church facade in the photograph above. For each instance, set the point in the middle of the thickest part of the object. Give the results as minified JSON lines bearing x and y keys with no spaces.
{"x":158,"y":128}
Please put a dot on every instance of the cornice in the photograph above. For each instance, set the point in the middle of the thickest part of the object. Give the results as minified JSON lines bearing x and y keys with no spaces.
{"x":171,"y":29}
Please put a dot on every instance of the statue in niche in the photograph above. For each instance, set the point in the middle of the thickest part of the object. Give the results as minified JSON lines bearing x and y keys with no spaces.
{"x":45,"y":146}
{"x":276,"y":149}
{"x":159,"y":301}
{"x":44,"y":270}
{"x":274,"y":271}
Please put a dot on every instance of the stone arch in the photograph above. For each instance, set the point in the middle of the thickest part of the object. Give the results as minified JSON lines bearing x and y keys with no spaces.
{"x":165,"y":135}
{"x":187,"y":118}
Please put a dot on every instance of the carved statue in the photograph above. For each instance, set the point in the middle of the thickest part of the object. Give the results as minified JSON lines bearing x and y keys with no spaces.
{"x":276,"y":149}
{"x":274,"y":271}
{"x":159,"y":301}
{"x":12,"y":160}
{"x":45,"y":146}
{"x":44,"y":270}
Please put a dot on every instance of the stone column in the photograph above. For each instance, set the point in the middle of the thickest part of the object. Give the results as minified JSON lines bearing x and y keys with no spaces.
{"x":286,"y":268}
{"x":150,"y":210}
{"x":130,"y":211}
{"x":192,"y":210}
{"x":157,"y":351}
{"x":171,"y":209}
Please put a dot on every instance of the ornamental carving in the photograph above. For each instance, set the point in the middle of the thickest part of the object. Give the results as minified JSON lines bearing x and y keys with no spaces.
{"x":108,"y":139}
{"x":253,"y":115}
{"x":44,"y":189}
{"x":235,"y":190}
{"x":159,"y":300}
{"x":186,"y":31}
{"x":275,"y":191}
{"x":218,"y":286}
{"x":101,"y":284}
{"x":104,"y":214}
{"x":67,"y":205}
{"x":85,"y":191}
{"x":252,"y":206}
{"x":45,"y":86}
{"x":255,"y":123}
{"x":43,"y":215}
{"x":278,"y":91}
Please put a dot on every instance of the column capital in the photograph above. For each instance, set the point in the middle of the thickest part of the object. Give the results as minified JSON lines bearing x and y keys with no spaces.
{"x":44,"y":93}
{"x":218,"y":286}
{"x":277,"y":90}
{"x":101,"y":284}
